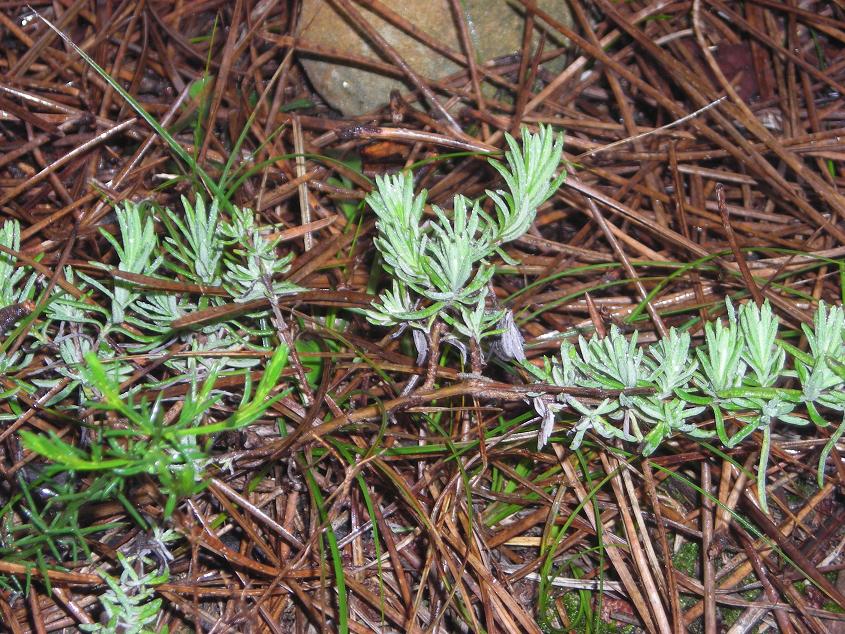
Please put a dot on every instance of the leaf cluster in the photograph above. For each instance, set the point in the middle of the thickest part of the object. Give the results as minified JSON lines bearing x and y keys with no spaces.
{"x":174,"y":453}
{"x":441,"y":266}
{"x":200,"y":246}
{"x":82,"y":343}
{"x":129,"y":604}
{"x":737,"y":373}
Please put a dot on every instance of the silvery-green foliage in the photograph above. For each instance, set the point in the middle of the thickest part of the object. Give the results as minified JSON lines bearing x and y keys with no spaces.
{"x":11,"y":289}
{"x":766,"y":360}
{"x":74,"y":347}
{"x":761,"y":412}
{"x":475,"y":322}
{"x":565,"y":372}
{"x":10,"y":237}
{"x":453,"y":251}
{"x":543,"y":374}
{"x":196,"y":243}
{"x":443,"y":262}
{"x":138,"y":242}
{"x":829,"y":445}
{"x":11,"y":275}
{"x":401,"y":239}
{"x":134,"y":248}
{"x":448,"y":271}
{"x":73,"y":338}
{"x":394,"y":306}
{"x":240,"y":228}
{"x":204,"y":356}
{"x":667,"y":416}
{"x":530,"y":177}
{"x":594,"y":419}
{"x":252,"y":260}
{"x":759,"y":326}
{"x":440,"y":263}
{"x":8,"y":362}
{"x":65,"y":308}
{"x":825,"y":341}
{"x":738,"y":368}
{"x":728,"y":353}
{"x":158,"y":310}
{"x":825,"y":338}
{"x":822,"y":375}
{"x":721,"y":361}
{"x":670,"y":363}
{"x":471,"y":230}
{"x":612,"y":362}
{"x":129,"y":604}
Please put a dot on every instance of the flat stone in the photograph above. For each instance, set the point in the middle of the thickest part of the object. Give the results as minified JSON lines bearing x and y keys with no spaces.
{"x":495,"y":27}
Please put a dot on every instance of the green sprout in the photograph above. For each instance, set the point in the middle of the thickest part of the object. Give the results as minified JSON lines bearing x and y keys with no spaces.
{"x":253,"y":264}
{"x":441,"y":268}
{"x":737,"y":372}
{"x":129,"y":606}
{"x":135,"y":248}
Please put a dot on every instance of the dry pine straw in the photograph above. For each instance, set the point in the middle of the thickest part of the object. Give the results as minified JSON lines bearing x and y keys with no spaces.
{"x":758,"y":171}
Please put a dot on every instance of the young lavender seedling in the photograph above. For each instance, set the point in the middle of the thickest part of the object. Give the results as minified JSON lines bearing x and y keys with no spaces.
{"x":441,"y":269}
{"x":739,"y":369}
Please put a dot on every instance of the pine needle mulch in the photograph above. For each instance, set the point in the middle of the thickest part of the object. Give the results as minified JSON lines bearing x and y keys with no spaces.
{"x":387,"y":510}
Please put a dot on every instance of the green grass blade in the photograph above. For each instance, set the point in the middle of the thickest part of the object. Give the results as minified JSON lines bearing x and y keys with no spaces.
{"x":337,"y":561}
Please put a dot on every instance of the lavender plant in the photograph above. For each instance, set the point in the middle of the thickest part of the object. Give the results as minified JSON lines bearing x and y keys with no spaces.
{"x":82,"y":344}
{"x":441,"y":268}
{"x":737,"y":373}
{"x":11,"y":289}
{"x":195,"y":242}
{"x":253,"y":263}
{"x":17,"y":285}
{"x":135,"y":251}
{"x":199,"y":247}
{"x":129,"y":606}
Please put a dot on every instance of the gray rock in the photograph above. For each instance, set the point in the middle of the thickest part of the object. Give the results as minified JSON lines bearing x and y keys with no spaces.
{"x":495,"y":27}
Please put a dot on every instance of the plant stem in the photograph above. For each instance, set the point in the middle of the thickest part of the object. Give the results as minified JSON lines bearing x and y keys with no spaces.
{"x":433,"y":355}
{"x":287,"y":338}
